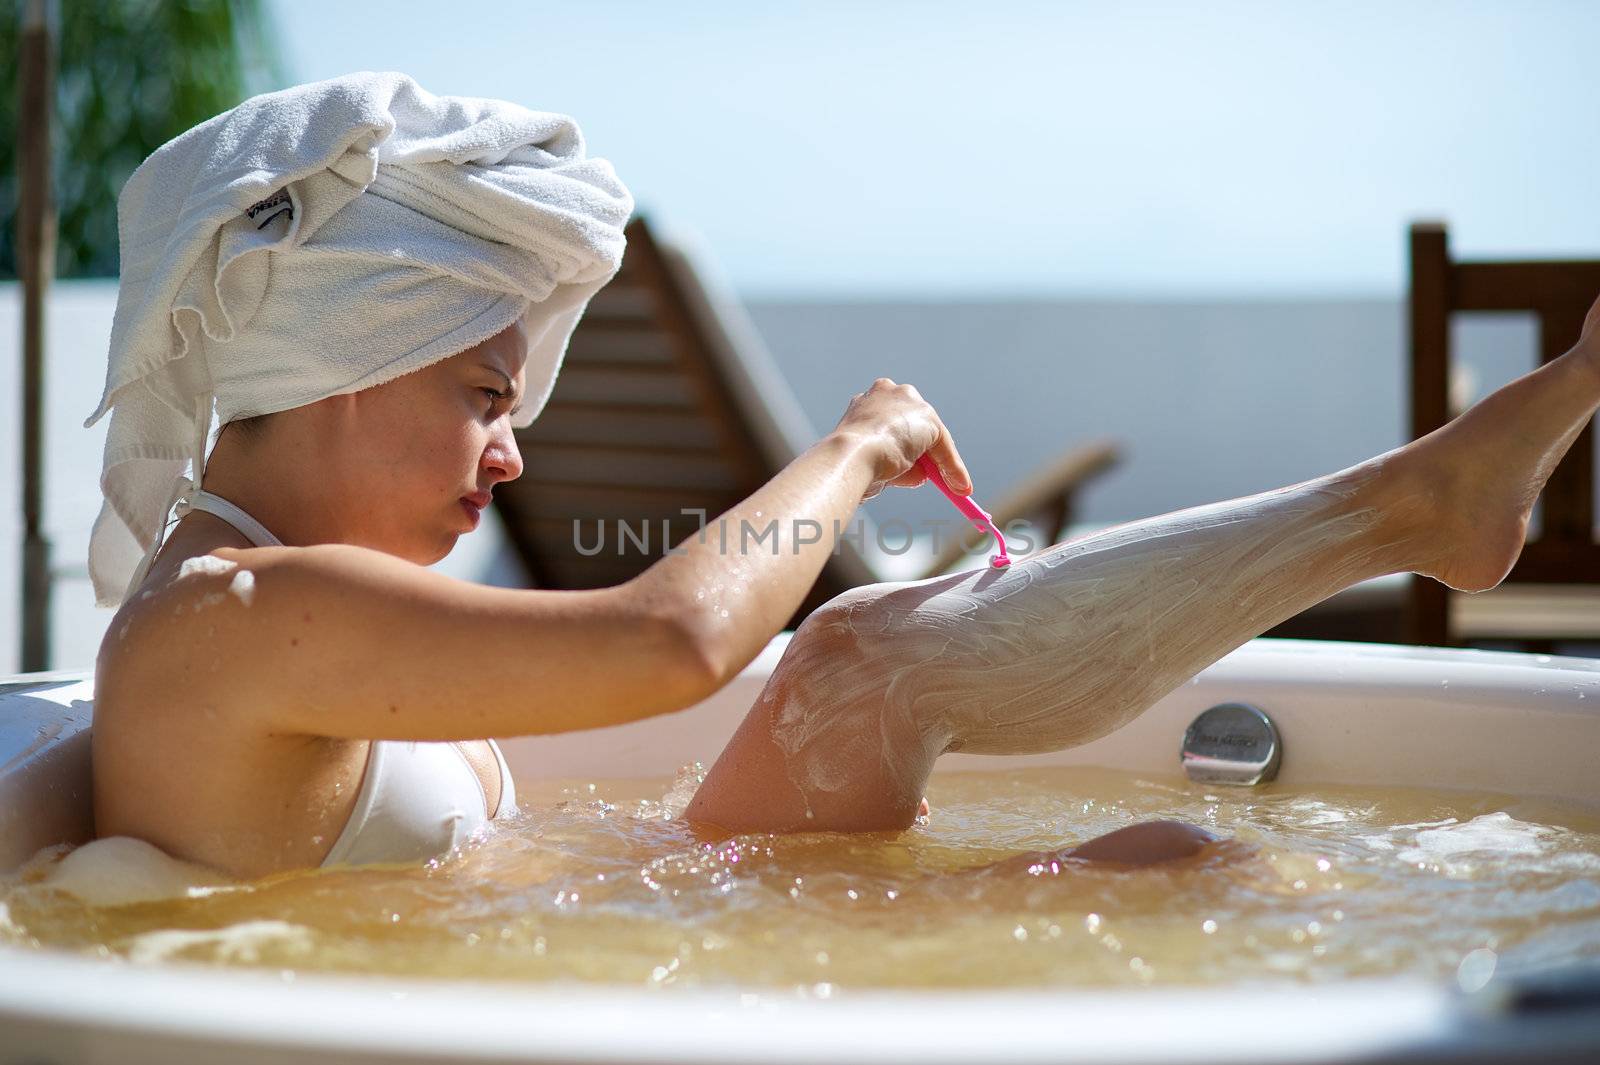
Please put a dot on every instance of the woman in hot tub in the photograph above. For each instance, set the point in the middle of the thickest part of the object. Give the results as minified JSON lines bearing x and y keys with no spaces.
{"x":374,"y":286}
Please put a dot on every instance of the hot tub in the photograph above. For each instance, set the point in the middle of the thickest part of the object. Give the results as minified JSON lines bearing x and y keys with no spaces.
{"x":1526,"y":725}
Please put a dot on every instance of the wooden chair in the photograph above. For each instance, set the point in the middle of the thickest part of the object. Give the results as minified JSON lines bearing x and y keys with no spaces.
{"x":1553,"y":592}
{"x":668,"y":407}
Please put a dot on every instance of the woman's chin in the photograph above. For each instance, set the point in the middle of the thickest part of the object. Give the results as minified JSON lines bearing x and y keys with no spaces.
{"x":439,"y":553}
{"x":426,"y":554}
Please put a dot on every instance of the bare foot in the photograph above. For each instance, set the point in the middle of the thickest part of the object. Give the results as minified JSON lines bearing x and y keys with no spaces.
{"x":1478,"y":476}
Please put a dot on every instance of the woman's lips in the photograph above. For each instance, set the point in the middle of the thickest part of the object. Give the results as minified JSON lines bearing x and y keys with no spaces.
{"x":474,"y":515}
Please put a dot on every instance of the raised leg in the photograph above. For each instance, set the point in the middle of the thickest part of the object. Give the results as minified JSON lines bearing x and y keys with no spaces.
{"x":1075,"y":641}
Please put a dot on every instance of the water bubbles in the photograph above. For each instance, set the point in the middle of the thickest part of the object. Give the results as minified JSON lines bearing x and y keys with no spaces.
{"x":1476,"y":967}
{"x":796,"y":902}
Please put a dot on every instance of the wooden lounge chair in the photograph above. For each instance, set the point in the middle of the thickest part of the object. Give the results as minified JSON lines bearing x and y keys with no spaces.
{"x":1553,"y":592}
{"x":668,"y":407}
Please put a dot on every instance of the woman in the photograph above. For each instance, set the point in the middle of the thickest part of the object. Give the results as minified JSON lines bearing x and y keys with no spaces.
{"x":250,"y":695}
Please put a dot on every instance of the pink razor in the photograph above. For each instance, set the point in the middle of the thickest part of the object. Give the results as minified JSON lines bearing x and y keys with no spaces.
{"x":980,"y":518}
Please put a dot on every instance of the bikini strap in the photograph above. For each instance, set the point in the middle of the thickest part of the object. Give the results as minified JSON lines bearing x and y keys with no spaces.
{"x":214,"y":504}
{"x":508,"y":788}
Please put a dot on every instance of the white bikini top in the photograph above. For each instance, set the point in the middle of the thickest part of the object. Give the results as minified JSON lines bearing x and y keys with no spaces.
{"x":417,"y":800}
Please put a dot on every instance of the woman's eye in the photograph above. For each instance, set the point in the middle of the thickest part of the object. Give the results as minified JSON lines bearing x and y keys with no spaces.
{"x":494,"y":394}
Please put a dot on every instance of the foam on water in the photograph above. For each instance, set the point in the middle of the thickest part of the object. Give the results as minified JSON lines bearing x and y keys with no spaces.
{"x":1460,"y":849}
{"x":120,"y":871}
{"x":240,"y":943}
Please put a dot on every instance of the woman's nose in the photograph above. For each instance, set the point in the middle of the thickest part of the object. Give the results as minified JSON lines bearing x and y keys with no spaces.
{"x":503,"y":455}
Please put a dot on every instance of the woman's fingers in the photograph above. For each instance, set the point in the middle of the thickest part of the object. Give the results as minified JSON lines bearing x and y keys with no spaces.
{"x":948,"y":459}
{"x":942,"y":452}
{"x":904,"y":427}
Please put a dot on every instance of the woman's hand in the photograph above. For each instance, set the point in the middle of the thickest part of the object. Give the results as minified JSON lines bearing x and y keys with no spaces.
{"x":898,"y":426}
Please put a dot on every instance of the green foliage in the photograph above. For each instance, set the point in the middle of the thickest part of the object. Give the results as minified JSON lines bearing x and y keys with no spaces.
{"x":130,"y":76}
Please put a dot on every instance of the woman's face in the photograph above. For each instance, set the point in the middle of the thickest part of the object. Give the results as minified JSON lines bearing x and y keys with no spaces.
{"x":432,"y":443}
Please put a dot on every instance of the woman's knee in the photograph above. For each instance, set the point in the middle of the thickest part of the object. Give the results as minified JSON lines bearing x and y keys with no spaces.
{"x":848,"y":628}
{"x":1146,"y":843}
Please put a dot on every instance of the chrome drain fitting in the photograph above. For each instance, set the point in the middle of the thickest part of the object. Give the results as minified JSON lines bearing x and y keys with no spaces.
{"x":1232,"y":743}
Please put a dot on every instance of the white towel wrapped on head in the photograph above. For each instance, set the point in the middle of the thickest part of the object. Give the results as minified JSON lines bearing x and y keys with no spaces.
{"x":322,"y":240}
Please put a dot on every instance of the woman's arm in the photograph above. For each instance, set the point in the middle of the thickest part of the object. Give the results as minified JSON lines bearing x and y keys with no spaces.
{"x":342,"y":641}
{"x":746,"y":572}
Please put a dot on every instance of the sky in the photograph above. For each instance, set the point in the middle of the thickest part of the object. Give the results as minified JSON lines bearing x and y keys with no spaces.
{"x":883,"y":149}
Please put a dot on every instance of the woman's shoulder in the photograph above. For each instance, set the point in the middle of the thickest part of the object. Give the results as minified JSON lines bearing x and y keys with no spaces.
{"x":279,"y":634}
{"x":177,"y":627}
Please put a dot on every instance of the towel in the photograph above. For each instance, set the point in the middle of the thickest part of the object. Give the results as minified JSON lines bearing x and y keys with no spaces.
{"x":322,"y":240}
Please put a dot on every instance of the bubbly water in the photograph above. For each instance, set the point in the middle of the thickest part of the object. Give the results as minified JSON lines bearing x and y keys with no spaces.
{"x":599,"y":882}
